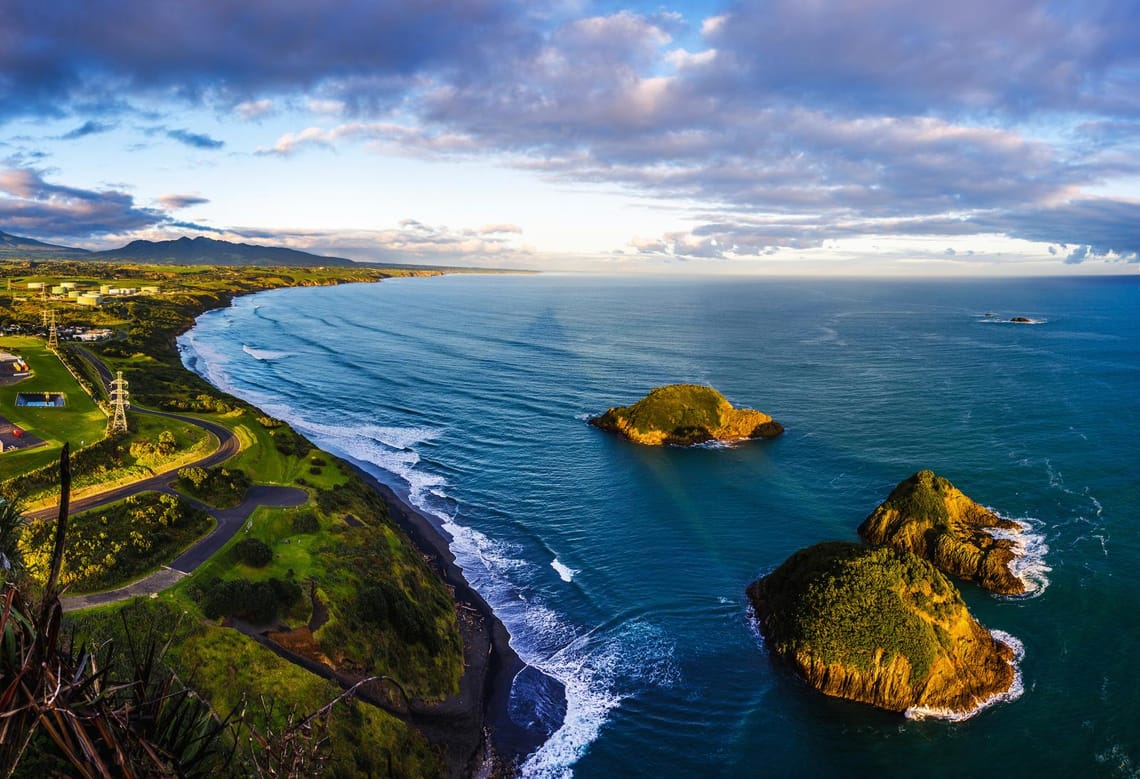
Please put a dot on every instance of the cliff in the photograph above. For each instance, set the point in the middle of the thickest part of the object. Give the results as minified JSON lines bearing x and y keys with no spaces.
{"x":879,"y":626}
{"x":686,"y":414}
{"x":930,"y":517}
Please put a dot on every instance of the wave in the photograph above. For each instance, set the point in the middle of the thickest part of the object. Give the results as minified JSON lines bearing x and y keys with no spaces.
{"x":590,"y":667}
{"x":1015,"y":691}
{"x":565,"y":573}
{"x":206,"y":361}
{"x":1029,"y":549}
{"x":264,"y":355}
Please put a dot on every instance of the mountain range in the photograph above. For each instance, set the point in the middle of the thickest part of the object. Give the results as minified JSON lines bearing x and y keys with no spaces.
{"x":182,"y":251}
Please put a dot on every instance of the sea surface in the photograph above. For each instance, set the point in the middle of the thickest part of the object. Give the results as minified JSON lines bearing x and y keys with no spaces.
{"x":620,"y":569}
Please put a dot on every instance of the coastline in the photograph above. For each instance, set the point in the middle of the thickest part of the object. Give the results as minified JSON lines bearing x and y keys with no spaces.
{"x":477,"y":721}
{"x":491,"y":663}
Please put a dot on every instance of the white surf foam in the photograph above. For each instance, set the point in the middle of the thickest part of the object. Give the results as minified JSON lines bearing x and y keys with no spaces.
{"x":1029,"y":549}
{"x":565,"y":572}
{"x":203,"y":359}
{"x":590,"y":667}
{"x":264,"y":355}
{"x":1015,"y":691}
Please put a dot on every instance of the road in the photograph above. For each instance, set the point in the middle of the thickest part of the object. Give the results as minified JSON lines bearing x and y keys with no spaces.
{"x":229,"y":521}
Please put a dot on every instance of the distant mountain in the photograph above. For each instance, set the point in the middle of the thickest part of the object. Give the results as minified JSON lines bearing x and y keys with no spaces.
{"x":207,"y":251}
{"x":15,"y":246}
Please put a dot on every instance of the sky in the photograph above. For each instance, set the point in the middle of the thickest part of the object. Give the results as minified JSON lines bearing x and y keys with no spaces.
{"x":844,"y":137}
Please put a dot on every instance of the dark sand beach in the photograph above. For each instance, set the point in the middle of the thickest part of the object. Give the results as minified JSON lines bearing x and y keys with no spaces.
{"x":483,"y":704}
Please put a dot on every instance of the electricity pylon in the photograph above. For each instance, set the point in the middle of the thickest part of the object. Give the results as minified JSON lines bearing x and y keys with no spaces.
{"x":120,"y":403}
{"x":53,"y":335}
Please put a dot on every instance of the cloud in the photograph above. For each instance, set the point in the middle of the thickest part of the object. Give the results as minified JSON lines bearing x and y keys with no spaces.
{"x":1078,"y":255}
{"x":254,"y":109}
{"x":31,"y":206}
{"x":898,"y":56}
{"x":411,"y":241}
{"x":195,"y":140}
{"x":175,"y":202}
{"x":90,"y":127}
{"x":781,"y":123}
{"x":385,"y":136}
{"x":57,"y":57}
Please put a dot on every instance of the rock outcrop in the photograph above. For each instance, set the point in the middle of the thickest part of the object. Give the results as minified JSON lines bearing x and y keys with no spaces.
{"x":686,"y":414}
{"x":930,"y":517}
{"x":881,"y":626}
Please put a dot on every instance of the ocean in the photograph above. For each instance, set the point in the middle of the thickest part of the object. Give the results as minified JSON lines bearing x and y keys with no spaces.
{"x":620,"y":569}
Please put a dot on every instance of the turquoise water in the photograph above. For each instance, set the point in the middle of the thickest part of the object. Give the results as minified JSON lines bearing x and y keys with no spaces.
{"x":621,"y":569}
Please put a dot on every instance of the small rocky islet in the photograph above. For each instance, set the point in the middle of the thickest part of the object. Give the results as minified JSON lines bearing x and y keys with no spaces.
{"x":686,"y":415}
{"x":881,"y":623}
{"x":880,"y":626}
{"x":927,"y":515}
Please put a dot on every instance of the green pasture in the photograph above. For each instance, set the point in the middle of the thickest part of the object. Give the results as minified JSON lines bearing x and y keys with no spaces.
{"x":79,"y":422}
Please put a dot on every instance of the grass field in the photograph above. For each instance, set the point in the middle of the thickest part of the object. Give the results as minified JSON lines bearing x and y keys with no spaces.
{"x":80,"y":422}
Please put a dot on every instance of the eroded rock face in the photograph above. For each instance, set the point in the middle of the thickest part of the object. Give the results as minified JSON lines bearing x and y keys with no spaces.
{"x":686,"y":414}
{"x":880,"y":626}
{"x":930,"y":517}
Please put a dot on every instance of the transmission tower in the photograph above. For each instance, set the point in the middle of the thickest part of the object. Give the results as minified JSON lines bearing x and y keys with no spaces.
{"x":118,"y":422}
{"x":53,"y":335}
{"x":45,"y":317}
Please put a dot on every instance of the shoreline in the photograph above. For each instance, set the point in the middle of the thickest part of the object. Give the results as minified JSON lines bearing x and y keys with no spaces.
{"x":482,"y":706}
{"x":494,"y":667}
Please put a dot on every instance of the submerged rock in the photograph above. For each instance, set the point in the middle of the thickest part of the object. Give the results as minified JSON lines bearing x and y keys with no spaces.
{"x":930,"y":517}
{"x":880,"y":626}
{"x":686,"y":414}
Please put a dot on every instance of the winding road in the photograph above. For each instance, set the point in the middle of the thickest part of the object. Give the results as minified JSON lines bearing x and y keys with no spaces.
{"x":229,"y":521}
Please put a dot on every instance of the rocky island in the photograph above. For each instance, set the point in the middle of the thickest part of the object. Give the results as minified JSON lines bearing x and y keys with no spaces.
{"x":684,"y":415}
{"x":880,"y":626}
{"x":928,"y":516}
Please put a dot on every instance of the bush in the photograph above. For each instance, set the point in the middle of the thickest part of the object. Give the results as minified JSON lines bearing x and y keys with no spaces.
{"x":219,"y":487}
{"x":253,"y":552}
{"x":306,"y":522}
{"x":259,"y":602}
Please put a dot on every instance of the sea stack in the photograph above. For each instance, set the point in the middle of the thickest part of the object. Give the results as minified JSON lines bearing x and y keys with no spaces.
{"x":684,"y":415}
{"x":880,"y":626}
{"x":928,"y":516}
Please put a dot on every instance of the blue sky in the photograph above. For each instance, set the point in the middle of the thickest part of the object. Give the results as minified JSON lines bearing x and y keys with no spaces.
{"x":789,"y":136}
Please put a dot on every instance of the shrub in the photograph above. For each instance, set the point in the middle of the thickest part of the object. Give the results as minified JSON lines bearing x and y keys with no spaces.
{"x":253,"y":552}
{"x":306,"y":522}
{"x":259,"y":602}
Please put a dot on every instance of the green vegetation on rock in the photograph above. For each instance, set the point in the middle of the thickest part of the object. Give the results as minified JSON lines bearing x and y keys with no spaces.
{"x":880,"y":626}
{"x":928,"y":516}
{"x":686,"y":414}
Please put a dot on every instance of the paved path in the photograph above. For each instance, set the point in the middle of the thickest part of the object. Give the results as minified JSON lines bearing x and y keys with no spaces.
{"x":229,"y":521}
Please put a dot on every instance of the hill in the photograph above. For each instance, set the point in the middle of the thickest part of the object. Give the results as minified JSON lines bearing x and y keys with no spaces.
{"x":29,"y":248}
{"x":207,"y":251}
